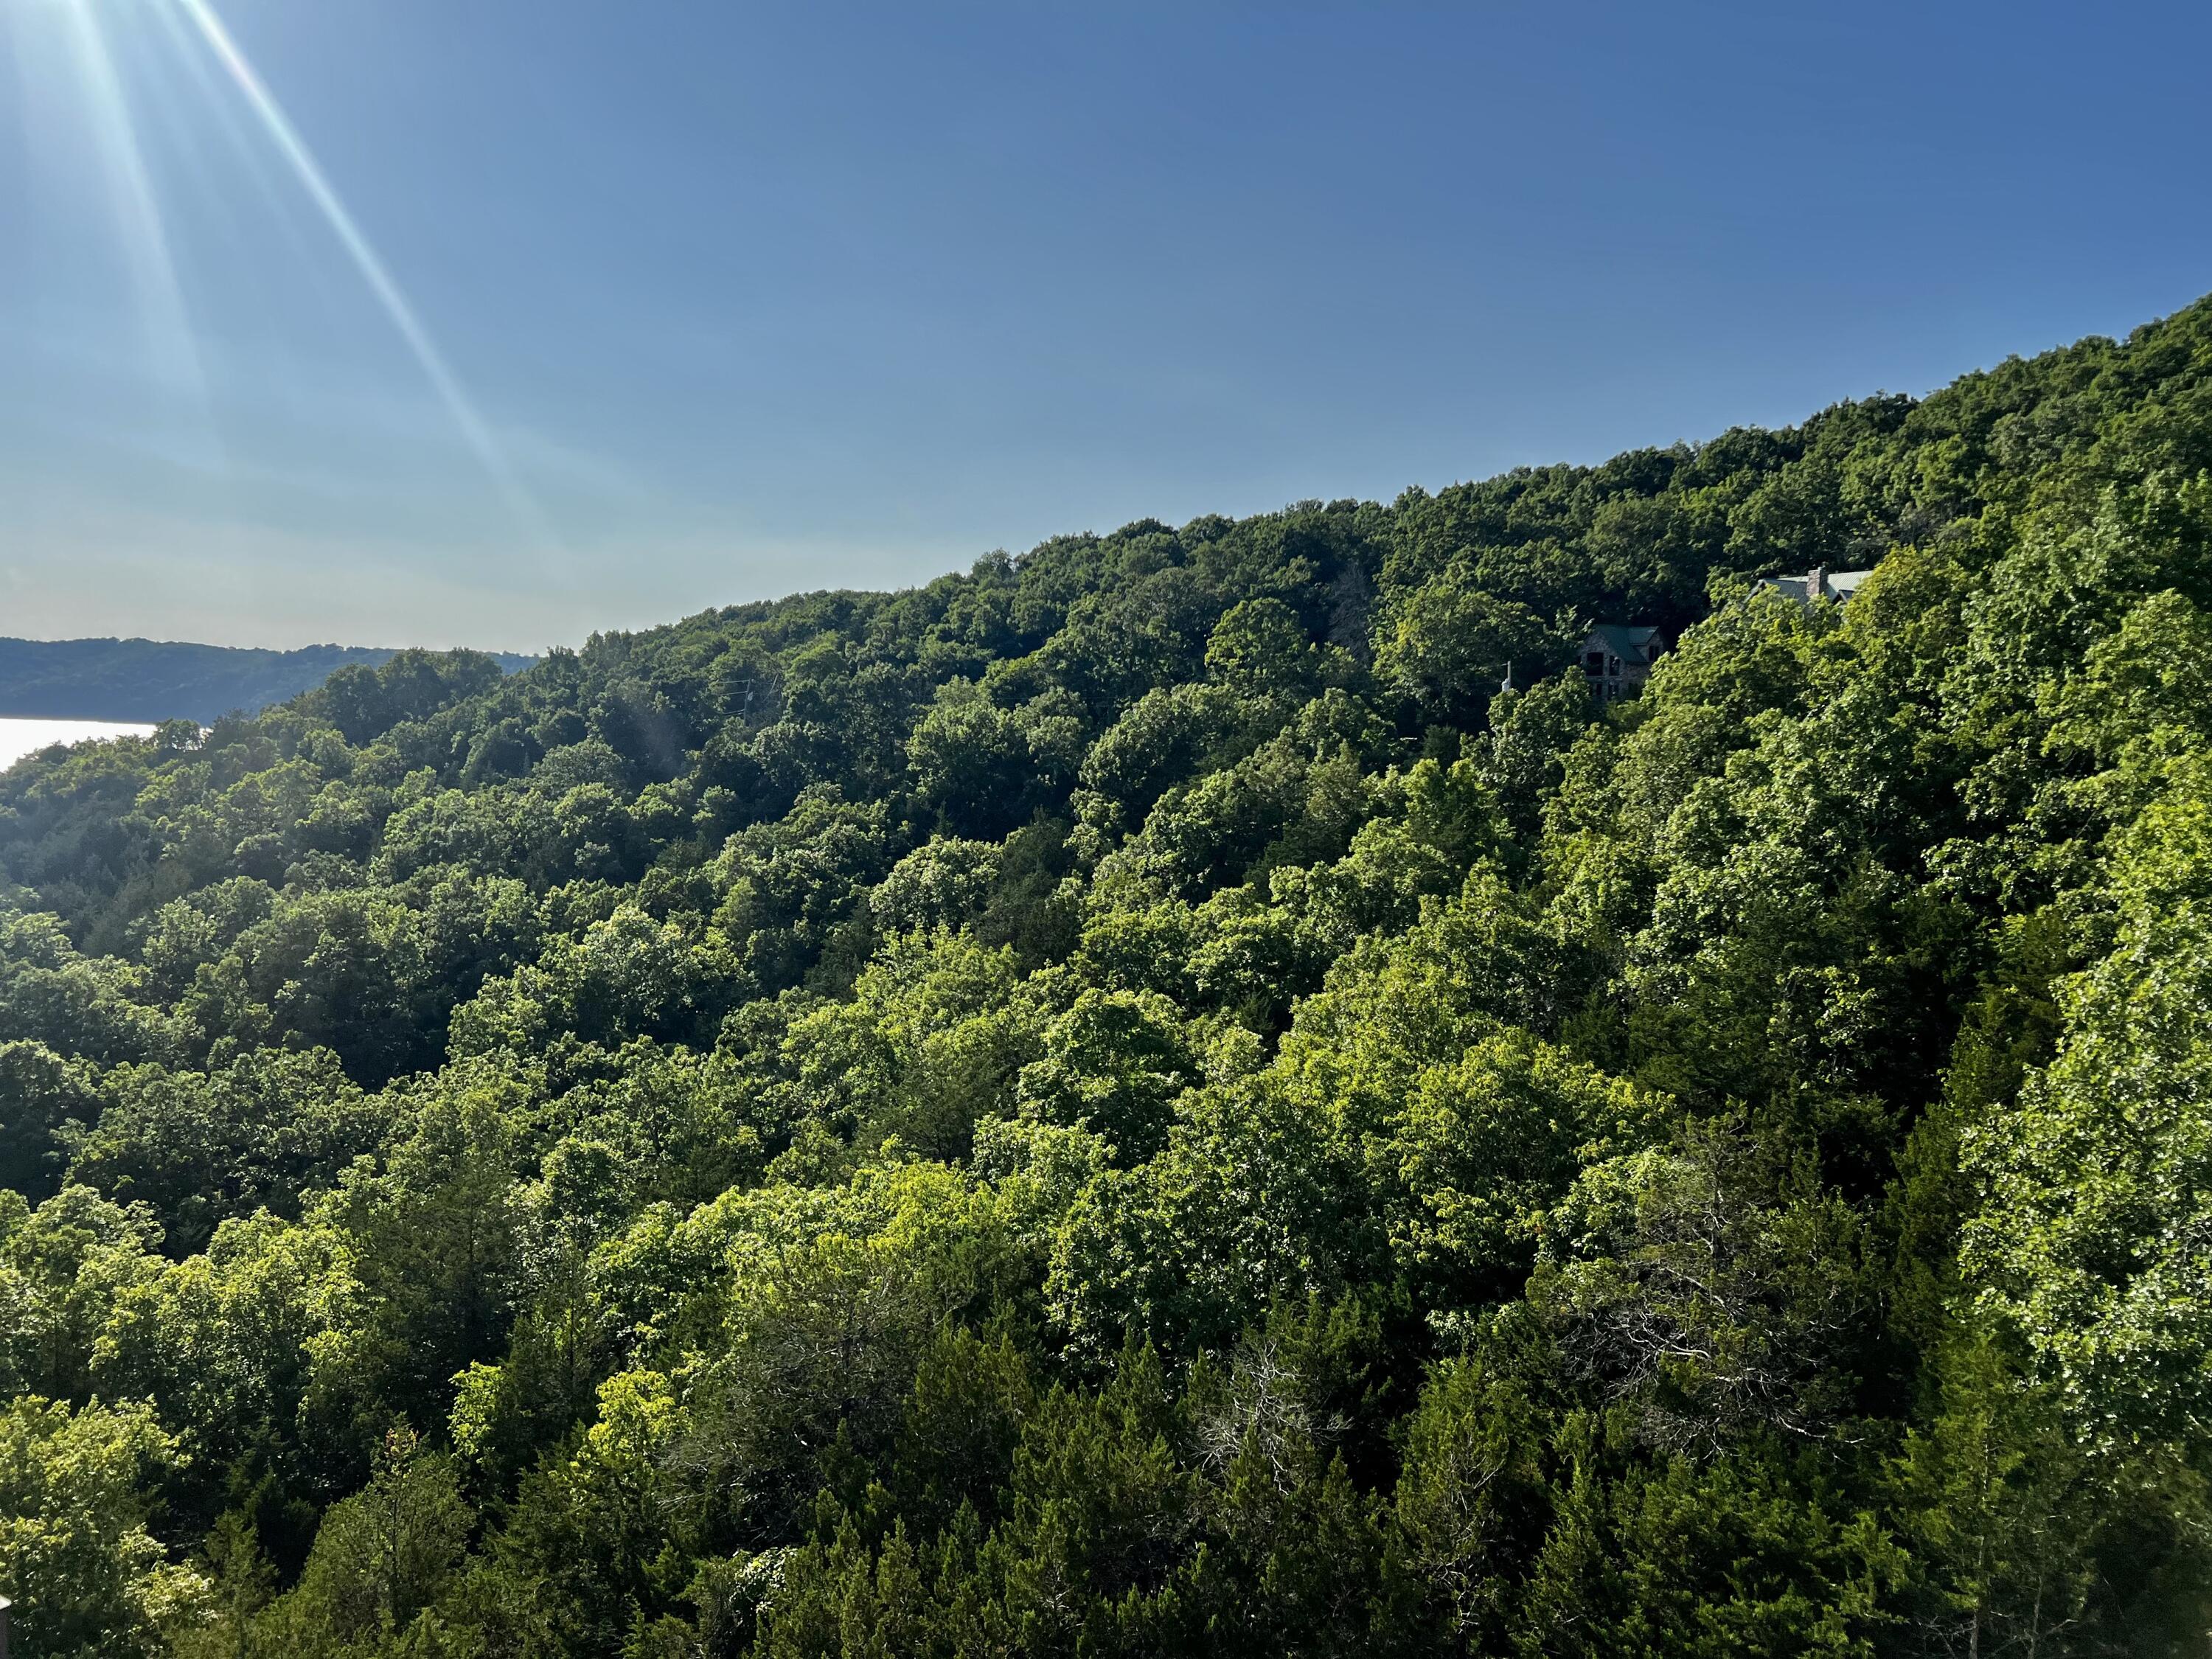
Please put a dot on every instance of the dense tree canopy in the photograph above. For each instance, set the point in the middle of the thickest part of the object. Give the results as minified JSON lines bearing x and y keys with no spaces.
{"x":1133,"y":1101}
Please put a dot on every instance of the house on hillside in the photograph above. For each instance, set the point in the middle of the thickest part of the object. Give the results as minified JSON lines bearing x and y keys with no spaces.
{"x":1617,"y":660}
{"x":1820,"y":583}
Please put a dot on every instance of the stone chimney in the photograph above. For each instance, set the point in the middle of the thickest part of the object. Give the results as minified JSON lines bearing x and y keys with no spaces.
{"x":1816,"y":583}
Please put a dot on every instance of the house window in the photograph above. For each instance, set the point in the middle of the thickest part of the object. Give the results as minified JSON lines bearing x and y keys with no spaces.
{"x":1612,"y":665}
{"x":1594,"y":662}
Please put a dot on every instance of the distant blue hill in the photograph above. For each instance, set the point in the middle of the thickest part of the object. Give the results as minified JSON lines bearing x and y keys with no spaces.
{"x":149,"y":680}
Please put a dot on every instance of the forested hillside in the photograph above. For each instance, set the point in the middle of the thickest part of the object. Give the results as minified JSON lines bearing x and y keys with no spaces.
{"x":1132,"y":1102}
{"x":141,"y":680}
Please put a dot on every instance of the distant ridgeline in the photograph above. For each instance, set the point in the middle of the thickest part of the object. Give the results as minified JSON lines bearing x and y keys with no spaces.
{"x":149,"y":680}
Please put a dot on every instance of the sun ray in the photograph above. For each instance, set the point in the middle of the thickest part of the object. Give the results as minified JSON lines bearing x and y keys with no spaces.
{"x":171,"y":342}
{"x":211,"y":100}
{"x":458,"y":404}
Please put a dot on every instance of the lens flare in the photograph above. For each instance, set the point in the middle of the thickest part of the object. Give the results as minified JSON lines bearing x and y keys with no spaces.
{"x":208,"y":95}
{"x":153,"y":269}
{"x":309,"y":173}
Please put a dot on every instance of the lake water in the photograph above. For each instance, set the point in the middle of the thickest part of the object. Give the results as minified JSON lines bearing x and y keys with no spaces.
{"x":20,"y":737}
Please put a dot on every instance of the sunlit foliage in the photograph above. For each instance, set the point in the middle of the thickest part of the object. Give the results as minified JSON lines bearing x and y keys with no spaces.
{"x":1133,"y":1101}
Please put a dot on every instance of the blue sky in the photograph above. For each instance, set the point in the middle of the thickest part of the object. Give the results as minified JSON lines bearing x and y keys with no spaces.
{"x":712,"y":301}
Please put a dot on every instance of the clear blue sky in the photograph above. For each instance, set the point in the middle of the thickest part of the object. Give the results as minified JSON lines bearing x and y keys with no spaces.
{"x":736,"y":299}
